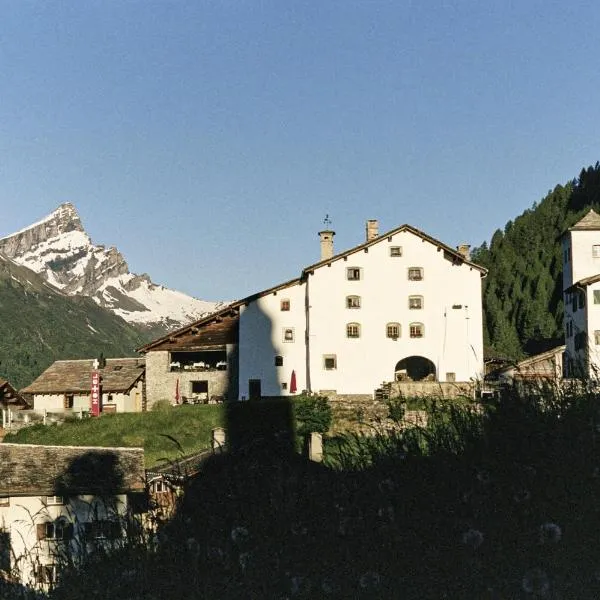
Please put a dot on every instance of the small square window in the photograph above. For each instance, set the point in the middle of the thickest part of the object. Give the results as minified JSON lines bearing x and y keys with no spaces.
{"x":330,"y":362}
{"x":451,"y":377}
{"x":596,"y":296}
{"x":392,"y":330}
{"x":54,"y":500}
{"x":279,"y":361}
{"x":416,"y":330}
{"x":353,"y":274}
{"x":415,"y":302}
{"x":285,"y":305}
{"x":352,"y":301}
{"x":353,"y":330}
{"x":4,"y":500}
{"x":284,"y":385}
{"x":395,"y":250}
{"x":596,"y":250}
{"x":415,"y":274}
{"x":288,"y":334}
{"x":597,"y":337}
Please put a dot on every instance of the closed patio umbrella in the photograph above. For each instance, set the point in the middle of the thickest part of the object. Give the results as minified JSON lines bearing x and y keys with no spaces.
{"x":293,"y":386}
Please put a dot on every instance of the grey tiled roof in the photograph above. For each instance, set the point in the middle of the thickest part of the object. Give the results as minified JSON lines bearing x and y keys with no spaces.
{"x":72,"y":376}
{"x":30,"y":470}
{"x":590,"y":221}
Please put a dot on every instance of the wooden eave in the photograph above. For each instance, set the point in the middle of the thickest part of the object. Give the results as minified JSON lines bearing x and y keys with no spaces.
{"x":385,"y":236}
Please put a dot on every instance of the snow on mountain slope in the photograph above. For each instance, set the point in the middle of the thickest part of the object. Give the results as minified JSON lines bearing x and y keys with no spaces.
{"x":58,"y":248}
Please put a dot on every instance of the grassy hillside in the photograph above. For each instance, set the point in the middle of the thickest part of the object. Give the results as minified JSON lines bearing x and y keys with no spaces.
{"x":40,"y":325}
{"x":190,"y":425}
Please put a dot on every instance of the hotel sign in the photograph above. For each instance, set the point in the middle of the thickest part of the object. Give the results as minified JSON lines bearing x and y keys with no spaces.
{"x":95,"y":407}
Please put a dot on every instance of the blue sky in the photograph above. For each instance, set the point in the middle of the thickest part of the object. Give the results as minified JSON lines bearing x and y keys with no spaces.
{"x":208,"y":140}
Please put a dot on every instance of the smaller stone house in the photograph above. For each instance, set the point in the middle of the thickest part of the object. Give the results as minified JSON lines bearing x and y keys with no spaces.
{"x":66,"y":385}
{"x":544,"y":367}
{"x":58,"y":502}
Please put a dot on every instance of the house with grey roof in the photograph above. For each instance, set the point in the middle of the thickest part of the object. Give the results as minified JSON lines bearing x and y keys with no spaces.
{"x":66,"y":385}
{"x":58,"y":503}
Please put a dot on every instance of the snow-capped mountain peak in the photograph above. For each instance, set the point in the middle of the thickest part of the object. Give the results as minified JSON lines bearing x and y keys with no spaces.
{"x":58,"y":248}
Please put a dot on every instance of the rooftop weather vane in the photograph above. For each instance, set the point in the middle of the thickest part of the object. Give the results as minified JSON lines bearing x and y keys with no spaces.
{"x":327,"y":221}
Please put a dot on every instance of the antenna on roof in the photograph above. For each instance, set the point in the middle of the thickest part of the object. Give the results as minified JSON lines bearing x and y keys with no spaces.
{"x":327,"y":221}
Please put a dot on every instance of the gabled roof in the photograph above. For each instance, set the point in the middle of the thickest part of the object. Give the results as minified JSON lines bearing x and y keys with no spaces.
{"x":203,"y":330}
{"x":452,"y":251}
{"x":531,"y":360}
{"x":590,"y":221}
{"x":75,"y":376}
{"x":28,"y":470}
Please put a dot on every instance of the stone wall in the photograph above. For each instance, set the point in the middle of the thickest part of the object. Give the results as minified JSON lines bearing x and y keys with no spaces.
{"x":161,"y":382}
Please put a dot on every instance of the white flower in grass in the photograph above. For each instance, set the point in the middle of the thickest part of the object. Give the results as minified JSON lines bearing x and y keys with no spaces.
{"x":536,"y":582}
{"x":472,"y":538}
{"x":239,"y":535}
{"x":550,"y":533}
{"x":370,"y":580}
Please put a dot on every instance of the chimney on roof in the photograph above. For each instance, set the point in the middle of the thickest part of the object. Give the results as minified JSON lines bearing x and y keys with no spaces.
{"x":464,"y":250}
{"x":372,"y":229}
{"x":326,"y":238}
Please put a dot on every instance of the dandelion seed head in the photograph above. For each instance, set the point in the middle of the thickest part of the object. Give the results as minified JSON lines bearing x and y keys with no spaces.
{"x":472,"y":538}
{"x":550,"y":533}
{"x":536,"y":581}
{"x":239,"y":535}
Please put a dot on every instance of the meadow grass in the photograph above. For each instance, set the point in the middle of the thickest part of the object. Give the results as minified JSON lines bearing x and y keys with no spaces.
{"x":155,"y":431}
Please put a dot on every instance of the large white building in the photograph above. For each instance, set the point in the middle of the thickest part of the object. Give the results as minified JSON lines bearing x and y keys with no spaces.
{"x":581,"y":286}
{"x":399,"y":306}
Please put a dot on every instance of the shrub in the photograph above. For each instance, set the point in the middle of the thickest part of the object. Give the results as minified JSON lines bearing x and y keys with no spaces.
{"x":312,"y":414}
{"x":161,"y":405}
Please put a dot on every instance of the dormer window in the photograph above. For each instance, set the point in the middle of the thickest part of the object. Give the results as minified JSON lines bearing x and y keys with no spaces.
{"x":353,"y":273}
{"x":415,"y":273}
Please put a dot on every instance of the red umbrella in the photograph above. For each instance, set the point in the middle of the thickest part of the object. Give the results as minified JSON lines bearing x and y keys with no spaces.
{"x":293,"y":387}
{"x":177,"y":392}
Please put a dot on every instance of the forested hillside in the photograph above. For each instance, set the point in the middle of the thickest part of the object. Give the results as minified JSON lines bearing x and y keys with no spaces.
{"x":39,"y":324}
{"x":523,"y":307}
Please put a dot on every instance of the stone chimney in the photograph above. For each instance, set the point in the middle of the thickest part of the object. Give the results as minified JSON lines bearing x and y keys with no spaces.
{"x":464,"y":250}
{"x":326,"y":237}
{"x":372,"y":229}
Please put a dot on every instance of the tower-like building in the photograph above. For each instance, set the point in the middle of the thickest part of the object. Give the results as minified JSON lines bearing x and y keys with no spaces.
{"x":581,"y":288}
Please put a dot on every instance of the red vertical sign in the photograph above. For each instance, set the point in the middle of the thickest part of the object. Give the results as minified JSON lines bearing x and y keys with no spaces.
{"x":95,"y":408}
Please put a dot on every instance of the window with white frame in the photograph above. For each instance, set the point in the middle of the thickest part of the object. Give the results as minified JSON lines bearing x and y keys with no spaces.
{"x":55,"y":500}
{"x":396,"y":251}
{"x":353,"y":330}
{"x":352,"y":301}
{"x":416,"y":330}
{"x":329,"y":362}
{"x":415,"y":302}
{"x":60,"y":529}
{"x":596,"y":250}
{"x":415,"y":273}
{"x":392,"y":330}
{"x":353,"y":273}
{"x":288,"y":334}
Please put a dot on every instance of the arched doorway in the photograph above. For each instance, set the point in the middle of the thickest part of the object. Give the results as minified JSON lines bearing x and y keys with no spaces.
{"x":415,"y":368}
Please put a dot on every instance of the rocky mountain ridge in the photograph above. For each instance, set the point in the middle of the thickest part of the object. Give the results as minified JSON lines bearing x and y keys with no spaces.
{"x":59,"y":249}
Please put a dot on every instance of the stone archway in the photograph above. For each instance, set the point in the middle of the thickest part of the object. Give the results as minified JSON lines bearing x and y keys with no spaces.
{"x":415,"y":368}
